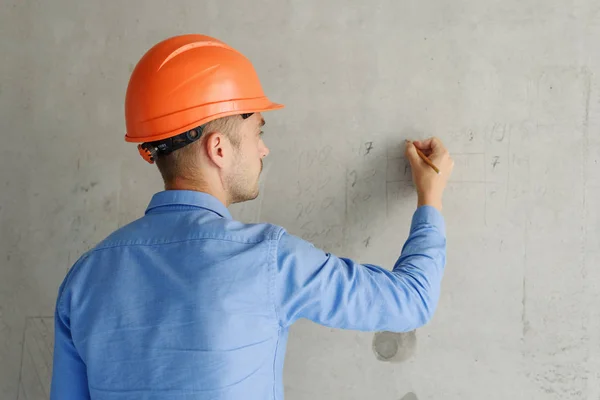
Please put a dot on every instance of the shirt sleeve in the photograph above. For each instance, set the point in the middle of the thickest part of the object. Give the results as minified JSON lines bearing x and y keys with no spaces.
{"x":69,"y":375}
{"x":341,"y":293}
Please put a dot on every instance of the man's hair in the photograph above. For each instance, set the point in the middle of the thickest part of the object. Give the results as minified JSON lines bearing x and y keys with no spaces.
{"x":183,"y":163}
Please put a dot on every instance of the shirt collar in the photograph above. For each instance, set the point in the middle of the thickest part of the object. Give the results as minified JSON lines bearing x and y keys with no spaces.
{"x":188,"y":198}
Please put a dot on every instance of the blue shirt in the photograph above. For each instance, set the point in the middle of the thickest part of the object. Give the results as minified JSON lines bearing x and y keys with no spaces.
{"x":187,"y":303}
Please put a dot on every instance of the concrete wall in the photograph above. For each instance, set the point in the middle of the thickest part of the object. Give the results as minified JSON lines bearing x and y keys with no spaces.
{"x":511,"y":87}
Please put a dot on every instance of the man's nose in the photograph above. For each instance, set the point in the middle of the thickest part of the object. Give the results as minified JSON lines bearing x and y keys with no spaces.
{"x":265,"y":151}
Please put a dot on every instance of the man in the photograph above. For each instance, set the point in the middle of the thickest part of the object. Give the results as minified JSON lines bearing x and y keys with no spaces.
{"x":186,"y":303}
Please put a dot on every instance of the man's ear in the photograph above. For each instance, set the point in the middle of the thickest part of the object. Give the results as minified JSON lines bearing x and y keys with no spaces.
{"x":217,"y":147}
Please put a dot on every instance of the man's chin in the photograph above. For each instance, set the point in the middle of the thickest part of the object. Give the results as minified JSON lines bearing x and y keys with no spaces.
{"x":253,"y":196}
{"x":246,"y":197}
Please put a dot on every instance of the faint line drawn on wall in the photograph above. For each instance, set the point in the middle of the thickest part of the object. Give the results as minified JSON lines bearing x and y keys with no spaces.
{"x":36,"y":359}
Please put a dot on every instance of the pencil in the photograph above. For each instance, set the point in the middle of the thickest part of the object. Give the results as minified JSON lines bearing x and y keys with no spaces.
{"x":427,"y":160}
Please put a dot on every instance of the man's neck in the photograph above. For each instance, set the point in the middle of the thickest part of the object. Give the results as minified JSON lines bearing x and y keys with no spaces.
{"x":180,"y":184}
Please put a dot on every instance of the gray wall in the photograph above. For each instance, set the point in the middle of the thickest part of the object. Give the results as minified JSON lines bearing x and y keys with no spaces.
{"x":511,"y":87}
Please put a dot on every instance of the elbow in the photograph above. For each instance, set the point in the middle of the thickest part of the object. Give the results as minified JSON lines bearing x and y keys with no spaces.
{"x":420,"y":314}
{"x":426,"y":302}
{"x":427,"y":312}
{"x":421,"y":306}
{"x":424,"y":289}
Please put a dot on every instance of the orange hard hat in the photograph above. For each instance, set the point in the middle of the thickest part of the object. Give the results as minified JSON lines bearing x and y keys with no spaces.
{"x":184,"y":82}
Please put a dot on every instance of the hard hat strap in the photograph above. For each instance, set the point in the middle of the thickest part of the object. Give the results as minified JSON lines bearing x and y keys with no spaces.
{"x":150,"y":151}
{"x":169,"y":145}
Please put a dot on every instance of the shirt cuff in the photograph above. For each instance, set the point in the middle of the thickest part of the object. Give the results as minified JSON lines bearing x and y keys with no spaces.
{"x":428,"y":215}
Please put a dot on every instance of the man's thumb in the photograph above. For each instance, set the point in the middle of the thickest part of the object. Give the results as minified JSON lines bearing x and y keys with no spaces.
{"x":411,"y":152}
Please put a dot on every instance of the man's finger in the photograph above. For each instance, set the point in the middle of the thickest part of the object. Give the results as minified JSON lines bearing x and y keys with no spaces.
{"x":421,"y":144}
{"x":424,"y":146}
{"x":435,"y":143}
{"x":411,"y":152}
{"x":428,"y":144}
{"x":431,"y":146}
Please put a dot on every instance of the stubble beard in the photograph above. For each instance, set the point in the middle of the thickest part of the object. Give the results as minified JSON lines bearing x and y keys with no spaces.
{"x":240,"y":187}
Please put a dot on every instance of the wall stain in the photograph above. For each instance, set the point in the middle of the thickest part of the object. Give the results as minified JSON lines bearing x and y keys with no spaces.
{"x":394,"y":347}
{"x":410,"y":396}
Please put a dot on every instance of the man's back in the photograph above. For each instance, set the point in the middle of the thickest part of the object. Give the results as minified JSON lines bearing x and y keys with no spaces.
{"x":175,"y":305}
{"x":186,"y":303}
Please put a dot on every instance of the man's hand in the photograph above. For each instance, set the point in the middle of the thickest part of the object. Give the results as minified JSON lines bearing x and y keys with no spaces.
{"x":430,"y":185}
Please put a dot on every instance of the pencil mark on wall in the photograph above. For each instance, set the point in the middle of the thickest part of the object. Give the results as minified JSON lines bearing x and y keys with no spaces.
{"x":327,"y":202}
{"x":346,"y":199}
{"x":323,"y":182}
{"x":508,"y":172}
{"x":585,"y":158}
{"x":495,"y":161}
{"x":588,"y":92}
{"x":312,"y":234}
{"x":368,"y":147}
{"x":36,"y":358}
{"x":394,"y":347}
{"x":524,"y":321}
{"x":85,"y":188}
{"x":585,"y":172}
{"x":21,"y":364}
{"x":306,"y":159}
{"x":304,"y":210}
{"x":485,"y":187}
{"x":354,"y":177}
{"x":367,"y":241}
{"x":387,"y":201}
{"x":300,"y":210}
{"x":525,"y":325}
{"x":499,"y":132}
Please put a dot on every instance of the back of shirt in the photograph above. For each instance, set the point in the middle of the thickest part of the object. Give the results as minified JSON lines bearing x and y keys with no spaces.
{"x":175,"y":305}
{"x":186,"y":303}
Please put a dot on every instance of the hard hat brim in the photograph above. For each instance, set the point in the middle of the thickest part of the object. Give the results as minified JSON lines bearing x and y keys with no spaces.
{"x":229,"y":108}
